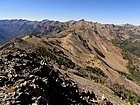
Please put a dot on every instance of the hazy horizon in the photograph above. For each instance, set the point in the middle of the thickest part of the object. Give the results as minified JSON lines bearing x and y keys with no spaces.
{"x":102,"y":11}
{"x":68,"y":20}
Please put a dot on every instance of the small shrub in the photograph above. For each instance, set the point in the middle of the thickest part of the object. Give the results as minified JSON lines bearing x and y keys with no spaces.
{"x":81,"y":73}
{"x":52,"y":42}
{"x":125,"y":94}
{"x":99,"y":52}
{"x":96,"y":71}
{"x":30,"y":36}
{"x":98,"y":79}
{"x":128,"y":76}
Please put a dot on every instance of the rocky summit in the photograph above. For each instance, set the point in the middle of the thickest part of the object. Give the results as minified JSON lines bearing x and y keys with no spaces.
{"x":27,"y":79}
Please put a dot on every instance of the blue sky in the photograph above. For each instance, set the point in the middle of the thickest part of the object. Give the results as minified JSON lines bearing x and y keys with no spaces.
{"x":103,"y":11}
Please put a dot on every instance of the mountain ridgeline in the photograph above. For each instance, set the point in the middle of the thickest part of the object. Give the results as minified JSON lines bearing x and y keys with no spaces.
{"x":73,"y":62}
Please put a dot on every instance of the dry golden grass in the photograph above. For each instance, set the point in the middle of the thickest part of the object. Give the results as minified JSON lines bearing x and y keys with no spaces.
{"x":10,"y":89}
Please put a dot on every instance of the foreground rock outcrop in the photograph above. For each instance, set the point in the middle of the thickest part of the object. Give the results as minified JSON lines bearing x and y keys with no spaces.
{"x":27,"y":79}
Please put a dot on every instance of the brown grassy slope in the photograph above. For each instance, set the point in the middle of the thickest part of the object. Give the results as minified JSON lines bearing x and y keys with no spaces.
{"x":79,"y":43}
{"x":81,"y":58}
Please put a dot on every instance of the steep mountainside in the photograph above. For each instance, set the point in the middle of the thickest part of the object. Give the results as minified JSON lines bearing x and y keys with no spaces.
{"x":81,"y":58}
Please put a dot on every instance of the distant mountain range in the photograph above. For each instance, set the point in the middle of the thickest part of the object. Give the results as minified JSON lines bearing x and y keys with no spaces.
{"x":10,"y":29}
{"x":15,"y":28}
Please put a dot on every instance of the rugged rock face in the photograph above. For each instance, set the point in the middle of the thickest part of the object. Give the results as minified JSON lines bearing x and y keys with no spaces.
{"x":27,"y":79}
